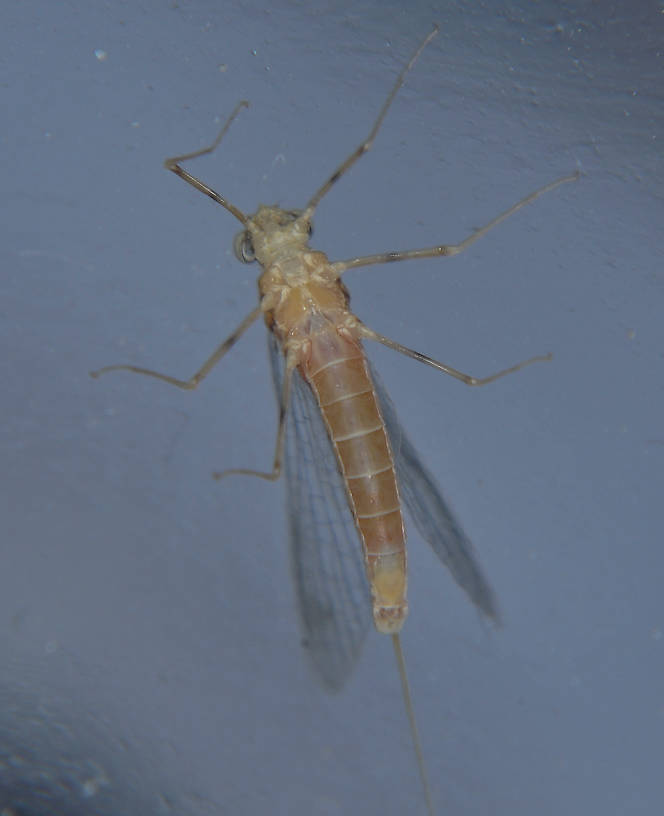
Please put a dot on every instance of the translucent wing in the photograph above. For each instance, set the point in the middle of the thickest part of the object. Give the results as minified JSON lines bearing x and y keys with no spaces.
{"x":326,"y":554}
{"x":431,"y":514}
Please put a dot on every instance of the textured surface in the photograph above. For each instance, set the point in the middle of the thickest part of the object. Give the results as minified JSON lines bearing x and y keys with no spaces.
{"x":147,"y":620}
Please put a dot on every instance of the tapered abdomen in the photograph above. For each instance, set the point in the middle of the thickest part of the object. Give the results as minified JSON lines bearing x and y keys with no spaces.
{"x":337,"y":371}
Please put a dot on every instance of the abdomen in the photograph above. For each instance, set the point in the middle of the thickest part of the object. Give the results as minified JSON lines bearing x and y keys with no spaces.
{"x":337,"y":371}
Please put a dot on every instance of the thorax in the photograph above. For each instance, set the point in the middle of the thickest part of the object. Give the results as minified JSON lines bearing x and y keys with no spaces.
{"x":300,"y":293}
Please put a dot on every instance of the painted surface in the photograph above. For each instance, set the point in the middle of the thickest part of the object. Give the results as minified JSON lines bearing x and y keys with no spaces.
{"x":134,"y":588}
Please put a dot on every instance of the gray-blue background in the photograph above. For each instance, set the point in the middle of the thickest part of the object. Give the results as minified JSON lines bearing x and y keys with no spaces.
{"x":150,"y":658}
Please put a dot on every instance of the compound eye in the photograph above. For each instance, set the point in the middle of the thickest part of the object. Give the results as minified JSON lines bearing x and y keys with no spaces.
{"x":244,"y":248}
{"x":310,"y":228}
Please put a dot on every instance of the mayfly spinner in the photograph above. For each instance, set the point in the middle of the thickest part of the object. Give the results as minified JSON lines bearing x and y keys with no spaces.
{"x":349,"y":466}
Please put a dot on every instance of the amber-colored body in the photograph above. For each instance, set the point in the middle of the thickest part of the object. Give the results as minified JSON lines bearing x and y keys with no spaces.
{"x":322,"y":339}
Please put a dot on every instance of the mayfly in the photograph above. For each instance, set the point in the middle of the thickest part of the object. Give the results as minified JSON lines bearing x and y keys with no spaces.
{"x":348,"y":464}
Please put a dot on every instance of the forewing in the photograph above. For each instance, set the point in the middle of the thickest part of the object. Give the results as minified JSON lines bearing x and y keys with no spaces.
{"x":432,"y":515}
{"x":326,"y":554}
